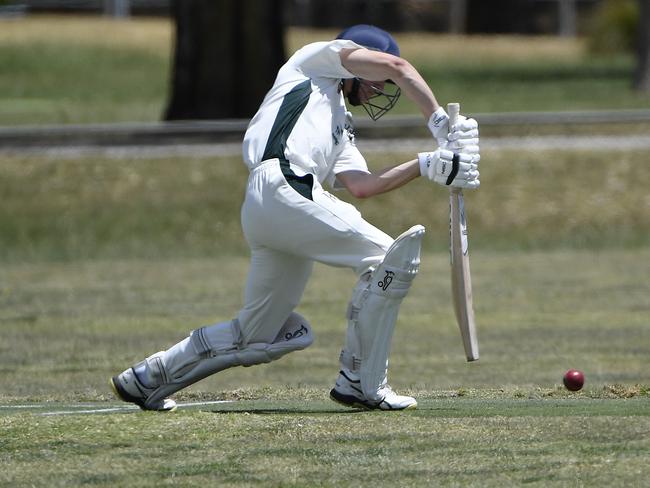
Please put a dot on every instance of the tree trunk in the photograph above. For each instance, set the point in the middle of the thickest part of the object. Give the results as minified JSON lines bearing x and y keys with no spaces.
{"x":567,"y":18}
{"x":457,"y":16}
{"x":227,"y":55}
{"x":642,"y":74}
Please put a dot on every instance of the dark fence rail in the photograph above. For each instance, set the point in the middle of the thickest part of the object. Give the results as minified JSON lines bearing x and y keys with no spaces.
{"x":219,"y":131}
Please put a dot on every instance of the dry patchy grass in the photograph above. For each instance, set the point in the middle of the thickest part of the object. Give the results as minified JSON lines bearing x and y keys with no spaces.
{"x":432,"y":47}
{"x":156,"y":34}
{"x":152,"y":35}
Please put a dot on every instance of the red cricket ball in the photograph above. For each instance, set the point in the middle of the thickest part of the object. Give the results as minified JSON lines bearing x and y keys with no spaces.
{"x":574,"y":379}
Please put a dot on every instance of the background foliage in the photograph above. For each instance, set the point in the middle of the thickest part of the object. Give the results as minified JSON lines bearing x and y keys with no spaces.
{"x":614,"y":27}
{"x":102,"y":70}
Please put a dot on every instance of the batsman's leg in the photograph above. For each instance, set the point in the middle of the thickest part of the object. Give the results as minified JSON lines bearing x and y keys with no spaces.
{"x":265,"y":330}
{"x":206,"y":351}
{"x":372,"y":314}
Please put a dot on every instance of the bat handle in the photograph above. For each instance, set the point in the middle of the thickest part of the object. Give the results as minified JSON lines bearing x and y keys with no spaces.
{"x":453,"y":110}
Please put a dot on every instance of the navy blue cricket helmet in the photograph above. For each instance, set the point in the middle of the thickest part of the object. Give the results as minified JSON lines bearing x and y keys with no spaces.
{"x":371,"y":37}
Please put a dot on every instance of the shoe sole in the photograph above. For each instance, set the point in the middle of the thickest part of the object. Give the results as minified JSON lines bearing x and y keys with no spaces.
{"x":123,"y":395}
{"x":353,"y":402}
{"x":348,"y":403}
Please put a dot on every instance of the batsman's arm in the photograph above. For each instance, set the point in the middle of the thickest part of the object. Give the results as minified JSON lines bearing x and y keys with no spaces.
{"x":443,"y":167}
{"x":377,"y":66}
{"x":364,"y":185}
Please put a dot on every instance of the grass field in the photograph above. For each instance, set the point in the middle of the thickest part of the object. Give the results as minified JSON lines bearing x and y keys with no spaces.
{"x":504,"y":421}
{"x":92,"y":208}
{"x":106,"y":261}
{"x":92,"y":69}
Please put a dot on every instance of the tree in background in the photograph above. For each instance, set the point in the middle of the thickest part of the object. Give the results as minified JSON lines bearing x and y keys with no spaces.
{"x":227,"y":54}
{"x":623,"y":26}
{"x":642,"y":74}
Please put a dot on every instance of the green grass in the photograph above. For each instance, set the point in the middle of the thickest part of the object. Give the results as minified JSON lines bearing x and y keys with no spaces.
{"x":71,"y":83}
{"x":504,"y":421}
{"x":92,"y":69}
{"x":457,"y":442}
{"x":530,"y":86}
{"x":71,"y":69}
{"x":106,"y":261}
{"x":539,"y":314}
{"x":91,"y":207}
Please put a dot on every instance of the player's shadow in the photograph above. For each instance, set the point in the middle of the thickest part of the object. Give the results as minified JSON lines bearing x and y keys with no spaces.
{"x":287,"y":411}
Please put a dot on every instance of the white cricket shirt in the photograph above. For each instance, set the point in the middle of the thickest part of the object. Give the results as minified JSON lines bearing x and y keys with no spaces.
{"x":303,"y":118}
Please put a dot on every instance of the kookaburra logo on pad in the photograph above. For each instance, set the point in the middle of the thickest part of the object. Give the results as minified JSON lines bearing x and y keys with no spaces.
{"x":299,"y":333}
{"x":384,"y":284}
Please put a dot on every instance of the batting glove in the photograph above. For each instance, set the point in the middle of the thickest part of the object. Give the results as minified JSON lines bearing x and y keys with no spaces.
{"x":450,"y":168}
{"x":463,"y":136}
{"x":438,"y":124}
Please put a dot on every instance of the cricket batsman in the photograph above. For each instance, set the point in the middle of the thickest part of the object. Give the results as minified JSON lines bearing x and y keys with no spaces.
{"x":300,"y":140}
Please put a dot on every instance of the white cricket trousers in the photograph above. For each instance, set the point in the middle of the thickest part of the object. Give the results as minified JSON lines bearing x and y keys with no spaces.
{"x":287,"y":232}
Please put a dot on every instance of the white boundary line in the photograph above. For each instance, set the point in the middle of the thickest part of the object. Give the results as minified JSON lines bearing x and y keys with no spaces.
{"x":49,"y":404}
{"x":83,"y":409}
{"x":96,"y":410}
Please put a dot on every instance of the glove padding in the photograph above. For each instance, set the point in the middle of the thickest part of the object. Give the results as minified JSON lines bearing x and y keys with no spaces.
{"x":450,"y":168}
{"x":438,"y":124}
{"x":463,"y":136}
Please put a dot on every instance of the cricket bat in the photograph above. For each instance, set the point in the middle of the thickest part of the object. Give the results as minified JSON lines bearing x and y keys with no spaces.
{"x":461,"y":280}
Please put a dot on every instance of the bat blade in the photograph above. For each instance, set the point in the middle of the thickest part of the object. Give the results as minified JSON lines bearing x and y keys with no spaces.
{"x":461,"y":281}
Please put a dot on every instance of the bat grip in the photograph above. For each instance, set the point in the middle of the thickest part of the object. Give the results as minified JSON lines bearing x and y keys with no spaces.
{"x":453,"y":110}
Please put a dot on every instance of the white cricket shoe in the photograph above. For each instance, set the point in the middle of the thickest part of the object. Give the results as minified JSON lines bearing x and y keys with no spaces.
{"x":127,"y":387}
{"x":348,"y":392}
